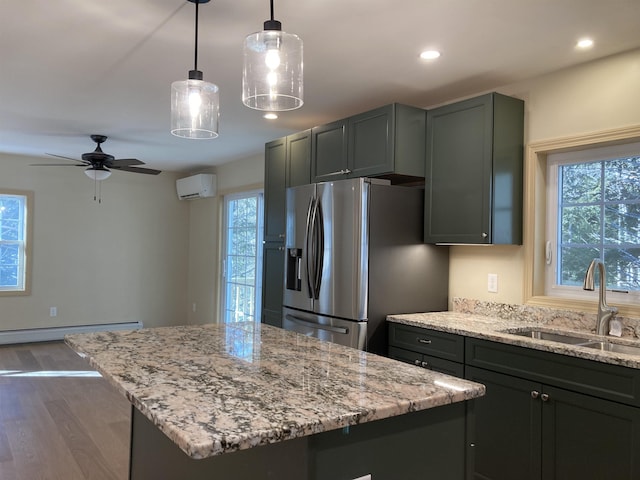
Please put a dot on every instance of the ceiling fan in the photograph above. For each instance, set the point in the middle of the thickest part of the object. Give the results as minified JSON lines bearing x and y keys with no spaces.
{"x":100,"y":164}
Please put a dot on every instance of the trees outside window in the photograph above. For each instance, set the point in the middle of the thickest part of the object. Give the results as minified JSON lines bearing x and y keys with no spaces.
{"x":242,"y":262}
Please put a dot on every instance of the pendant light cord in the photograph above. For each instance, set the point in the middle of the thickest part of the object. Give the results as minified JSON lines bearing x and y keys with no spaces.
{"x":272,"y":10}
{"x":195,"y":60}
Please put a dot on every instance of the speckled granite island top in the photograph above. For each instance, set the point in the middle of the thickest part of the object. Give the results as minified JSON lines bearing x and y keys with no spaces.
{"x":502,"y":330}
{"x":214,"y":389}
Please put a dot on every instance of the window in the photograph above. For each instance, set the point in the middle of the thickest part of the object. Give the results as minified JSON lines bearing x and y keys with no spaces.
{"x":242,"y":261}
{"x":593,"y":211}
{"x":15,"y":208}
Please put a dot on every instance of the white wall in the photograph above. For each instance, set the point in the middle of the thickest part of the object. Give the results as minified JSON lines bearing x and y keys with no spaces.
{"x":121,"y":260}
{"x":598,"y":96}
{"x":205,"y":223}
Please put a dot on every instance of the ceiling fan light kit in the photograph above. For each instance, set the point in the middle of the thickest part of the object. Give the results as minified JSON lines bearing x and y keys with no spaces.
{"x":97,"y":173}
{"x":195,"y":104}
{"x":272,"y":74}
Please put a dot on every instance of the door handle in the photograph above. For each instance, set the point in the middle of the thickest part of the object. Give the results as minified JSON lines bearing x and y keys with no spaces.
{"x":317,"y":326}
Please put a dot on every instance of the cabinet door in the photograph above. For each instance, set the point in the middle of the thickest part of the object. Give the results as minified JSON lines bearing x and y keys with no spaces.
{"x":275,"y":190}
{"x":272,"y":283}
{"x":371,"y":142}
{"x":588,"y":438}
{"x":299,"y":159}
{"x":503,"y":428}
{"x":329,"y":151}
{"x":458,"y":172}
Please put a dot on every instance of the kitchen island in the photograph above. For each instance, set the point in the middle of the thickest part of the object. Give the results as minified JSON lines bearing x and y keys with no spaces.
{"x":253,"y":401}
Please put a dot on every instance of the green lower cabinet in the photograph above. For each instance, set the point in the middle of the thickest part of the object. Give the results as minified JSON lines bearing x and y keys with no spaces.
{"x":503,"y":429}
{"x":527,"y":430}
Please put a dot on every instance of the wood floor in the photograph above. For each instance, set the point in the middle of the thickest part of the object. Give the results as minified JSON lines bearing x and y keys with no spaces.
{"x":57,"y":419}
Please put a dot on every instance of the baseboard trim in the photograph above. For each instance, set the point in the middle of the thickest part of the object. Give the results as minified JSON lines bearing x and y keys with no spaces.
{"x":57,"y":333}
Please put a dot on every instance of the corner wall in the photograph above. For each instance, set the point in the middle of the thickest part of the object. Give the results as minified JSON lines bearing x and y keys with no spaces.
{"x":121,"y":260}
{"x":204,"y":237}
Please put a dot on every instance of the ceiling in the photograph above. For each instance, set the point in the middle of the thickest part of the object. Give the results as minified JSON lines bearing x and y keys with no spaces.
{"x":71,"y":68}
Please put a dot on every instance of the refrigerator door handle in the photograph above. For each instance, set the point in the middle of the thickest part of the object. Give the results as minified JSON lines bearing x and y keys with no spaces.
{"x":316,"y":326}
{"x":319,"y":245}
{"x":308,"y":240}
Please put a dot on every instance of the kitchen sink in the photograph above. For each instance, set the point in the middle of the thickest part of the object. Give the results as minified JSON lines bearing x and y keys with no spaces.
{"x":561,"y":337}
{"x":570,"y":338}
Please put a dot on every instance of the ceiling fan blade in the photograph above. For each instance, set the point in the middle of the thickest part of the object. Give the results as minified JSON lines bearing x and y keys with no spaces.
{"x":148,"y":171}
{"x":67,"y":158}
{"x":56,"y":165}
{"x":124,"y":162}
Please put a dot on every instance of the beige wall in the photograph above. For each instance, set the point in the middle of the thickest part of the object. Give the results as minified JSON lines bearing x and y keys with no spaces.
{"x":121,"y":260}
{"x":204,"y":242}
{"x":597,"y":96}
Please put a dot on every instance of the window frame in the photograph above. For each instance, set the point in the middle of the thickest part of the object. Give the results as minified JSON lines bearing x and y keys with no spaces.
{"x":554,"y":162}
{"x":535,"y":205}
{"x":27,"y":243}
{"x":224,"y":244}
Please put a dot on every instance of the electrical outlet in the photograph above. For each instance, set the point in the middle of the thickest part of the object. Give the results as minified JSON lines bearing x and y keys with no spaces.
{"x":53,"y":311}
{"x":492,"y":283}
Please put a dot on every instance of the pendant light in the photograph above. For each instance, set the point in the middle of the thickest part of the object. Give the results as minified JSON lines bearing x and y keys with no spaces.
{"x":195,"y":104}
{"x":272,"y":72}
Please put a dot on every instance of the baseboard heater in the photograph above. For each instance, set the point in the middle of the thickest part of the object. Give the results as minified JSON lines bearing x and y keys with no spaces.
{"x":57,"y":333}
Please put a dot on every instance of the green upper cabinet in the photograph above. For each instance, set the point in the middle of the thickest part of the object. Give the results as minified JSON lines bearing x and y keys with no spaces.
{"x":329,"y":151}
{"x":299,"y":159}
{"x":287,"y":164}
{"x":385,"y":141}
{"x":473,"y":176}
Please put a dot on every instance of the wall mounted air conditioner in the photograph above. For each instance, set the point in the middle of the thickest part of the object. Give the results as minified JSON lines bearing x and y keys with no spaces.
{"x":196,"y":186}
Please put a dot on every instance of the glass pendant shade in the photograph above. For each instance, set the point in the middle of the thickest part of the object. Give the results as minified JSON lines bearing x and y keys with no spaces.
{"x":195,"y":109}
{"x":272,"y":77}
{"x":97,"y":174}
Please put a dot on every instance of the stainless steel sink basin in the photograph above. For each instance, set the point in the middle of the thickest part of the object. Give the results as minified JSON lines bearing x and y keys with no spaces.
{"x":607,"y":346}
{"x":561,"y":337}
{"x":570,"y":338}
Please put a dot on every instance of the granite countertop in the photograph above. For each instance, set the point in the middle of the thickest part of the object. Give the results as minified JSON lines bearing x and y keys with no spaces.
{"x":214,"y":389}
{"x":502,"y":330}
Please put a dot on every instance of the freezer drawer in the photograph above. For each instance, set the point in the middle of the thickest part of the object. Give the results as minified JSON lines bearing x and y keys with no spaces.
{"x":343,"y":332}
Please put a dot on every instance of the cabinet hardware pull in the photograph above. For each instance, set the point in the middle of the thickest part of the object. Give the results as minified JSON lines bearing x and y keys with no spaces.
{"x":425,"y":365}
{"x":417,"y":362}
{"x":545,"y":397}
{"x":282,"y":235}
{"x":485,"y":235}
{"x":281,"y":248}
{"x":535,"y":394}
{"x":424,"y":340}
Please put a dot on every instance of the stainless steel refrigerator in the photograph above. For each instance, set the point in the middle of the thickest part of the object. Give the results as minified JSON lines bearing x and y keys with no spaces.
{"x":355,"y":254}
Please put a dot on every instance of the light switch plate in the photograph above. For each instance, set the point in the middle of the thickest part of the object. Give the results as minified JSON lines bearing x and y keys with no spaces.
{"x":492,"y":283}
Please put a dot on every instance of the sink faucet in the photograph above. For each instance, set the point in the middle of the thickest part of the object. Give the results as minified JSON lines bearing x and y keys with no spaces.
{"x":605,"y":312}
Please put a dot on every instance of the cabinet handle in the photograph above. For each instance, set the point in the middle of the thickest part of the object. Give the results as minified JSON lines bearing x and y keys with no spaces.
{"x":345,"y":171}
{"x":485,"y":235}
{"x":425,"y":365}
{"x":417,"y":362}
{"x":282,"y":235}
{"x":535,"y":394}
{"x":423,"y":340}
{"x":281,"y":248}
{"x":544,"y":397}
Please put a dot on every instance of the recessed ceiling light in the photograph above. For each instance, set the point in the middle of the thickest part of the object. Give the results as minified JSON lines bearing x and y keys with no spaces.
{"x":429,"y":54}
{"x":270,"y":116}
{"x":584,"y":43}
